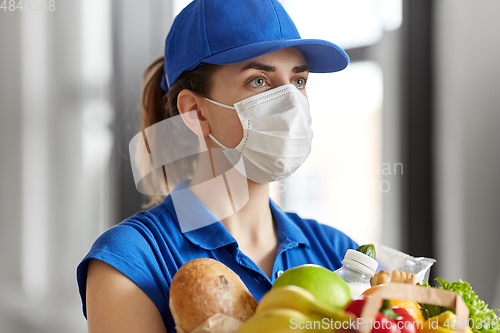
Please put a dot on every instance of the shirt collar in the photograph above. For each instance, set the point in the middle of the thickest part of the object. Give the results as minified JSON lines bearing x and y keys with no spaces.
{"x":286,"y":229}
{"x":209,"y":234}
{"x":215,"y":235}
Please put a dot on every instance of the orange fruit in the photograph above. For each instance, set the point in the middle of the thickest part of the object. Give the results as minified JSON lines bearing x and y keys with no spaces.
{"x":410,"y":306}
{"x":371,"y":290}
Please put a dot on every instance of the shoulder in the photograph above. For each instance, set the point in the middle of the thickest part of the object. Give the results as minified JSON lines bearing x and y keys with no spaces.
{"x":144,"y":231}
{"x":313,"y":228}
{"x":132,"y":238}
{"x":136,"y":248}
{"x":135,"y":242}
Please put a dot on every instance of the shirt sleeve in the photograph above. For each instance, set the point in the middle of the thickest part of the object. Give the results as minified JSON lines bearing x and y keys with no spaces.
{"x":131,"y":249}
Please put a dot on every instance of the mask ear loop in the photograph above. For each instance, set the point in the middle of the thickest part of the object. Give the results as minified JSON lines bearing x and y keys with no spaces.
{"x":217,"y":141}
{"x":224,"y":106}
{"x":220,"y":104}
{"x":239,"y":147}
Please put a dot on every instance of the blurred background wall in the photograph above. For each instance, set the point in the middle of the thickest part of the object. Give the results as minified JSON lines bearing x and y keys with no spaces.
{"x":70,"y":79}
{"x":467,"y":141}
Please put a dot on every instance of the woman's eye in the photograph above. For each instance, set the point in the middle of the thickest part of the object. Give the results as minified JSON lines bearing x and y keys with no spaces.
{"x":258,"y":82}
{"x":300,"y":82}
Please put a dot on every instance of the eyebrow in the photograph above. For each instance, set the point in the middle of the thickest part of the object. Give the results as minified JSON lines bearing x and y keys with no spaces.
{"x":300,"y":69}
{"x":266,"y":68}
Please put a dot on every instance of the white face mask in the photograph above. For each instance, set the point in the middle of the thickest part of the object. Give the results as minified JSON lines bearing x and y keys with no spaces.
{"x":277,"y":134}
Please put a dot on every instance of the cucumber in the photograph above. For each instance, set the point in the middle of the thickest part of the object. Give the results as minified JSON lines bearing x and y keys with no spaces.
{"x":367,"y":249}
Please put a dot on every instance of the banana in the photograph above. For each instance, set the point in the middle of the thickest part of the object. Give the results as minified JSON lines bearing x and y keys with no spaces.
{"x":282,"y":321}
{"x":300,"y":299}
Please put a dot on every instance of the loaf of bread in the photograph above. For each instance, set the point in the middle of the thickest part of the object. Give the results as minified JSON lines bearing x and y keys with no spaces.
{"x":204,"y":287}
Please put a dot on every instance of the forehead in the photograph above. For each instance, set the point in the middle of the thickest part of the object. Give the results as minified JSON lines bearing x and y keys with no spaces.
{"x":283,"y":59}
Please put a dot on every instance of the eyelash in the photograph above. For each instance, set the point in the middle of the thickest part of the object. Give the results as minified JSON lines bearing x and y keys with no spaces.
{"x":261,"y":76}
{"x":265,"y":78}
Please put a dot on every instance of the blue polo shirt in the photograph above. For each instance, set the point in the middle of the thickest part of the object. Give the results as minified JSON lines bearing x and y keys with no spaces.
{"x":149,"y":248}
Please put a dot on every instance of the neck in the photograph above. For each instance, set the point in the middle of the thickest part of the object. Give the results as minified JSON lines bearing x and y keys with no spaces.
{"x":253,"y":223}
{"x":250,"y":225}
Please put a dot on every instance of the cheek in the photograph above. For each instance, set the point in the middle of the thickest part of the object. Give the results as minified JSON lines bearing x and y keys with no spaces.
{"x":227,"y":127}
{"x":234,"y":130}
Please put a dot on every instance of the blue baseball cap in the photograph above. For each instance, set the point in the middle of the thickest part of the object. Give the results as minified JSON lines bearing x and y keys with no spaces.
{"x":223,"y":32}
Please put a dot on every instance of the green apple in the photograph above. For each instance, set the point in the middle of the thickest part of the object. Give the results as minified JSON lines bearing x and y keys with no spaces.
{"x":324,"y":284}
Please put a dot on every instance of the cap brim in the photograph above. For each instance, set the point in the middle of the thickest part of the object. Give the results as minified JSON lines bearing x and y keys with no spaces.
{"x":321,"y":56}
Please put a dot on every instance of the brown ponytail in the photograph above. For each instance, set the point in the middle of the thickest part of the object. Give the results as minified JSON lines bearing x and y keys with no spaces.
{"x":156,"y":105}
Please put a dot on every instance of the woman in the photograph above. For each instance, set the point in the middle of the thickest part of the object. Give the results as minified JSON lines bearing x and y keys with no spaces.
{"x":236,"y":72}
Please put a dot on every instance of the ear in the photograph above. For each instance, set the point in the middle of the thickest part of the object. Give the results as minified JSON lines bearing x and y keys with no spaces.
{"x":189,"y":106}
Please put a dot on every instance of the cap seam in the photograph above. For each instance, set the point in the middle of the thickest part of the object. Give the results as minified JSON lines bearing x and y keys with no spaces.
{"x":205,"y":27}
{"x":277,"y":18}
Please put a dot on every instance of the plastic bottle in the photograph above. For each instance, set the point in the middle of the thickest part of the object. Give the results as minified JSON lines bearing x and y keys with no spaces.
{"x":357,"y":270}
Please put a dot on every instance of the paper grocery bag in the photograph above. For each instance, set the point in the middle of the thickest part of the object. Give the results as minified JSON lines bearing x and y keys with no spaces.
{"x":419,"y":294}
{"x":218,"y":323}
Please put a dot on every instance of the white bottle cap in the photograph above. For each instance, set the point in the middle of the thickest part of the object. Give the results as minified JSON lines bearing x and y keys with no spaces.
{"x":361,"y":262}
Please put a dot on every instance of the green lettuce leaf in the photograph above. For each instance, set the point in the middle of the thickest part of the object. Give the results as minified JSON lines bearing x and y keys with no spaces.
{"x":478,"y":310}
